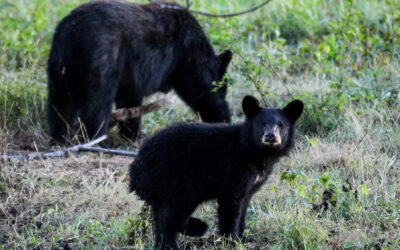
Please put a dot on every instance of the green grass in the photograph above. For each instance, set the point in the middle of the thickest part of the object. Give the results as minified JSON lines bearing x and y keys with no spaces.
{"x":338,"y":189}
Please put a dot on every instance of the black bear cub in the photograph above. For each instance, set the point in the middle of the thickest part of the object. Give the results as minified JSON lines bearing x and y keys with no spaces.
{"x":187,"y":164}
{"x":107,"y":52}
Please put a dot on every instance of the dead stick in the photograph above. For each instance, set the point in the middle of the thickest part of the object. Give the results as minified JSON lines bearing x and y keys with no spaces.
{"x":130,"y":113}
{"x":108,"y":151}
{"x":59,"y":153}
{"x":64,"y":153}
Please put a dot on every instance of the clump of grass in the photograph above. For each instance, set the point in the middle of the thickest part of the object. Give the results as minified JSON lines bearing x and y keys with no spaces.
{"x":138,"y":228}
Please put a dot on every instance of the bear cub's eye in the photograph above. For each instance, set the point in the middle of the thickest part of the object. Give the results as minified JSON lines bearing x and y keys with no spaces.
{"x":280,"y":124}
{"x":264,"y":124}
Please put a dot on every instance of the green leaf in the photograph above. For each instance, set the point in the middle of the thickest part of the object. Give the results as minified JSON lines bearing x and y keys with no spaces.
{"x":324,"y":180}
{"x":301,"y":189}
{"x":284,"y":176}
{"x":313,"y":142}
{"x":364,"y":189}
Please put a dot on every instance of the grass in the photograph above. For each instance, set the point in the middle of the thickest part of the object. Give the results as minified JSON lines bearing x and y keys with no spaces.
{"x":338,"y":189}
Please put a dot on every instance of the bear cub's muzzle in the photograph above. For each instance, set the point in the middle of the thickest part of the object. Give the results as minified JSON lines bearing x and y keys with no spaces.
{"x":272,"y":137}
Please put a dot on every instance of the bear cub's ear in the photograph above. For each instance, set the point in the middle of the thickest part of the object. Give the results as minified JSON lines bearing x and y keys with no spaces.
{"x":224,"y":59}
{"x":293,"y":110}
{"x":251,"y":106}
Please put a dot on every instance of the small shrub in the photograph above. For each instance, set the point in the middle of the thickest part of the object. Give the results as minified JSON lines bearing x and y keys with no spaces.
{"x":323,"y":113}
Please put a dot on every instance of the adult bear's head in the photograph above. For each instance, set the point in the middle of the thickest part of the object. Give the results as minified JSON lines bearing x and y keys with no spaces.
{"x":198,"y":69}
{"x":201,"y":70}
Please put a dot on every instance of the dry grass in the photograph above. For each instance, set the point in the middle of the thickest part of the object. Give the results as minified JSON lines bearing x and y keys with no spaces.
{"x":61,"y":197}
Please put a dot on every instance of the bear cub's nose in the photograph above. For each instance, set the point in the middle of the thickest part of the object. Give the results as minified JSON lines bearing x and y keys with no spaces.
{"x":270,"y":137}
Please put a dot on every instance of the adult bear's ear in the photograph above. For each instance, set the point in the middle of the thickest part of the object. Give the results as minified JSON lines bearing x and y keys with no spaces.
{"x":224,"y":59}
{"x":293,"y":110}
{"x":251,"y":106}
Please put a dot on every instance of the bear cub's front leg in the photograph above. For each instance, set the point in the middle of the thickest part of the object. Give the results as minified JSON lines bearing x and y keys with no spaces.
{"x":229,"y":214}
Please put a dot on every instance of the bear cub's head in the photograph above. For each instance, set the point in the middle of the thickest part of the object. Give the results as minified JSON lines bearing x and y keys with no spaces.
{"x":271,"y":128}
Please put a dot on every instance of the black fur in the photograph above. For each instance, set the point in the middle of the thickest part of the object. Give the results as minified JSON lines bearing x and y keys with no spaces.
{"x":187,"y":164}
{"x":111,"y":51}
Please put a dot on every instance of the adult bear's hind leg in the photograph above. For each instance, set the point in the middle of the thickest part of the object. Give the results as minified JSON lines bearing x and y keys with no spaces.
{"x":96,"y":111}
{"x":59,"y":117}
{"x":62,"y":106}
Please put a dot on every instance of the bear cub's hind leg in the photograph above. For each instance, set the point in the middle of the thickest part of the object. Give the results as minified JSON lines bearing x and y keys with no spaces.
{"x":165,"y":229}
{"x":194,"y":227}
{"x":169,"y":220}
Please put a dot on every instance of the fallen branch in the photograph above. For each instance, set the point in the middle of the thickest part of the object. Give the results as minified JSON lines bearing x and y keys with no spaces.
{"x":178,"y":7}
{"x":64,"y":153}
{"x":109,"y":151}
{"x":130,"y":113}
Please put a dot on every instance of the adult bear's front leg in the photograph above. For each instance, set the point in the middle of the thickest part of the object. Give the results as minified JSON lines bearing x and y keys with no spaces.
{"x":130,"y":128}
{"x":128,"y":97}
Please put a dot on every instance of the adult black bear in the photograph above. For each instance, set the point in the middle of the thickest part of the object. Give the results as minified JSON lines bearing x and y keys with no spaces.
{"x":187,"y":164}
{"x":111,"y":51}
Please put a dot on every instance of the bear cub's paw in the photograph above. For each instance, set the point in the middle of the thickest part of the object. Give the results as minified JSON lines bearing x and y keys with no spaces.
{"x":194,"y":228}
